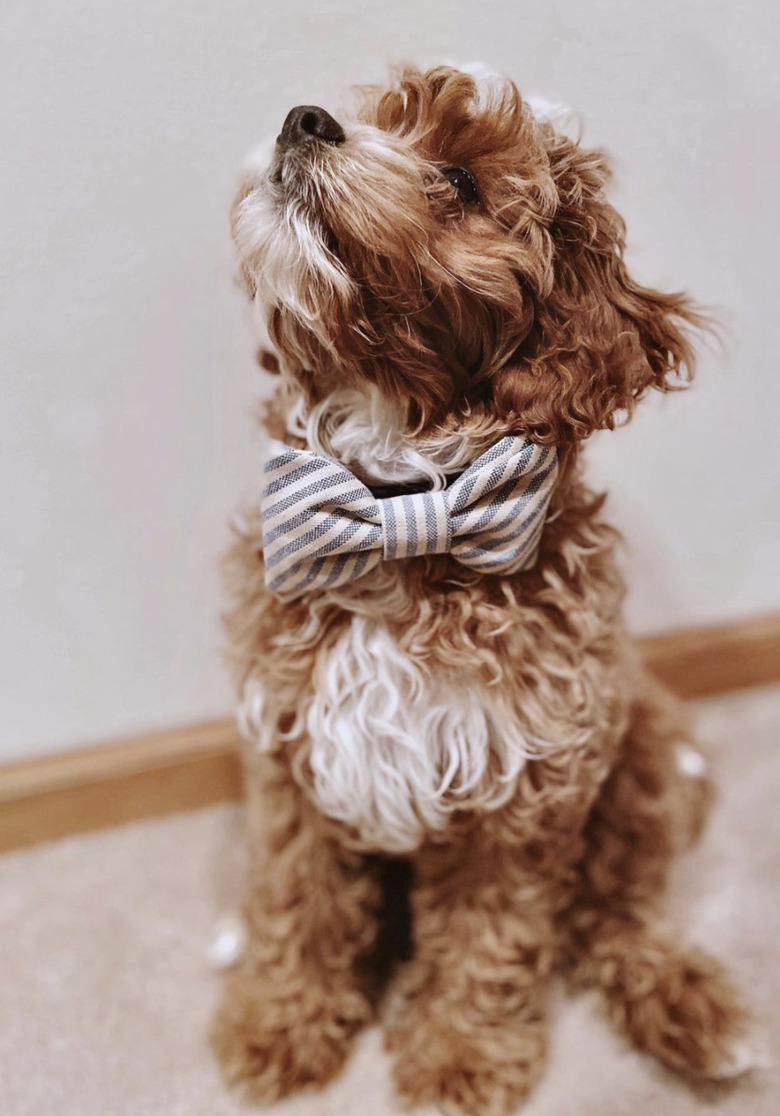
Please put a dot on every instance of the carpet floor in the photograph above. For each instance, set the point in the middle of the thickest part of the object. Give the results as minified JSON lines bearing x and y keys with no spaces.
{"x":105,"y":989}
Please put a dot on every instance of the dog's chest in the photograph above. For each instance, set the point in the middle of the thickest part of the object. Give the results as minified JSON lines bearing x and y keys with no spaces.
{"x":399,"y":742}
{"x":395,"y":748}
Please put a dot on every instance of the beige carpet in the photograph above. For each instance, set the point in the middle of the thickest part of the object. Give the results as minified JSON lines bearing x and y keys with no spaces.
{"x":105,"y":990}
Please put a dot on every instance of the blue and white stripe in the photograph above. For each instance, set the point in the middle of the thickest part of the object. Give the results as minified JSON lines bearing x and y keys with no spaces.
{"x":322,"y":527}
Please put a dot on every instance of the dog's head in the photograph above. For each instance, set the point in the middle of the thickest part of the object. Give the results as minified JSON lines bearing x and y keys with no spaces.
{"x":455,"y":251}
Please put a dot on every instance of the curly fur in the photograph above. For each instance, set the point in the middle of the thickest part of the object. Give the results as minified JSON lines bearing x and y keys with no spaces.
{"x":498,"y":732}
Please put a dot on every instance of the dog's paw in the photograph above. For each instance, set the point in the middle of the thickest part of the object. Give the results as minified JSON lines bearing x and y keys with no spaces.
{"x":480,"y":1074}
{"x":747,"y":1053}
{"x":272,"y":1041}
{"x":680,"y":1007}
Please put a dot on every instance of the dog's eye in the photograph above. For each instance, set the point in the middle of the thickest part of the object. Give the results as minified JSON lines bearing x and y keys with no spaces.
{"x":464,"y":182}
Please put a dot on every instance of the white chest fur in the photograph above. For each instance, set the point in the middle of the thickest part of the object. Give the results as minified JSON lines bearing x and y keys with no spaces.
{"x":395,"y":750}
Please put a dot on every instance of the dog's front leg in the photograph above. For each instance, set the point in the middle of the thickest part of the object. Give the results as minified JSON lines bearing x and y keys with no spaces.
{"x":292,"y":1007}
{"x":468,"y":1027}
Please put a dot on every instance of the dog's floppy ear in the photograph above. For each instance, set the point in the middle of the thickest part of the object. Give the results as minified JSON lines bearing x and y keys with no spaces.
{"x":599,"y":339}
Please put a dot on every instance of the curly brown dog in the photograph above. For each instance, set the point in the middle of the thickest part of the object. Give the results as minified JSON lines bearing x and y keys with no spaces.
{"x":469,"y":768}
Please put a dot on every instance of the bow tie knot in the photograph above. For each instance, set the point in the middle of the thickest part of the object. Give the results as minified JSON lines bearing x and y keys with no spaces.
{"x":415,"y":524}
{"x":323,"y":527}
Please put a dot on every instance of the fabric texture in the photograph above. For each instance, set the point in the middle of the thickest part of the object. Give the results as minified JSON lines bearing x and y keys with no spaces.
{"x":323,"y":527}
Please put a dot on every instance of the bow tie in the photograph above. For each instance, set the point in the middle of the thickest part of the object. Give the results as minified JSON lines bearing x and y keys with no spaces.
{"x":322,"y":527}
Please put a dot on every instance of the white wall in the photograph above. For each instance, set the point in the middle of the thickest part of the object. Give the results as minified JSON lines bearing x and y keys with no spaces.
{"x":127,"y":376}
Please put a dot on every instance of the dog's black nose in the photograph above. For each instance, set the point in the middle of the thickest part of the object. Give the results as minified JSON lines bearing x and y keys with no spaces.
{"x":306,"y":122}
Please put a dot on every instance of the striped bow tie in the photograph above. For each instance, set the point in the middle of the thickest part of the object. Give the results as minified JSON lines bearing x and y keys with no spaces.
{"x":323,"y":527}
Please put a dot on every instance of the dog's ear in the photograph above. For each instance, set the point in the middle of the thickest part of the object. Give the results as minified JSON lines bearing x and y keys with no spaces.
{"x":599,"y":339}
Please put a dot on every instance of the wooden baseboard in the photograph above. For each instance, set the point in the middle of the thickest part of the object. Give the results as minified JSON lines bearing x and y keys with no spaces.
{"x":92,"y":788}
{"x":698,"y":662}
{"x":165,"y":772}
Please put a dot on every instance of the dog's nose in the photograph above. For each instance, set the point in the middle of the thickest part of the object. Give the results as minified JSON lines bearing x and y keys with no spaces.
{"x":306,"y":122}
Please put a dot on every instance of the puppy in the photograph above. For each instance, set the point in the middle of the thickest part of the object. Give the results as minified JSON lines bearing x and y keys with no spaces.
{"x":453,"y":752}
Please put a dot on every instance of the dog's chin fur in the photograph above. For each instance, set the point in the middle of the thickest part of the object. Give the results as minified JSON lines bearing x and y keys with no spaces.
{"x":365,"y":431}
{"x":497,"y":730}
